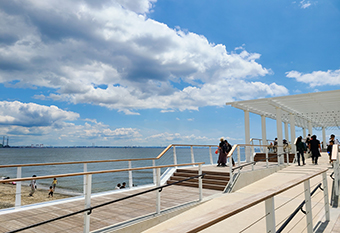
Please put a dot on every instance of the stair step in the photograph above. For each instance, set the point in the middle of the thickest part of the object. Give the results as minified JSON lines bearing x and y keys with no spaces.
{"x":206,"y":176}
{"x":206,"y":186}
{"x":205,"y":181}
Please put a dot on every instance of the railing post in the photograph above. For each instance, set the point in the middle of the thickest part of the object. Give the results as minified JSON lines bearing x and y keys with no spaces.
{"x":211,"y":158}
{"x":239,"y":155}
{"x":270,"y":215}
{"x":18,"y":190}
{"x":325,"y":195}
{"x":175,"y":155}
{"x":252,"y":160}
{"x":85,"y":170}
{"x":192,"y":154}
{"x":266,"y":149}
{"x":158,"y":199}
{"x":230,"y":170}
{"x":87,"y":203}
{"x":309,"y":217}
{"x":130,"y":175}
{"x":154,"y":171}
{"x":200,"y":183}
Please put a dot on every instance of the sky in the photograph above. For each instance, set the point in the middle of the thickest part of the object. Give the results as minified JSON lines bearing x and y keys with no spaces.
{"x":157,"y":72}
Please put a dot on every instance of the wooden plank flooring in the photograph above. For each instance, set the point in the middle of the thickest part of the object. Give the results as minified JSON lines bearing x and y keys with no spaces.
{"x":105,"y":216}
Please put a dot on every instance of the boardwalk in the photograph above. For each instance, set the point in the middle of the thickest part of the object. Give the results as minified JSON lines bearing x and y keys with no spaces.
{"x":253,"y":219}
{"x":102,"y":217}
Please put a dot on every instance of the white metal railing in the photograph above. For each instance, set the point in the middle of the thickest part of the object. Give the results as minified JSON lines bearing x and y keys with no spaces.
{"x":226,"y":211}
{"x":89,"y":181}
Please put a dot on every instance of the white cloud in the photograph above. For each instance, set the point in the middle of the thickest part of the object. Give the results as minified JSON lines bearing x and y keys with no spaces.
{"x":305,"y":4}
{"x":47,"y":123}
{"x":316,"y":78}
{"x":108,"y":53}
{"x":24,"y":114}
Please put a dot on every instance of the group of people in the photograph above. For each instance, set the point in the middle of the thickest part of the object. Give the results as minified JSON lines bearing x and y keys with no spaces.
{"x":314,"y":146}
{"x":223,"y":149}
{"x":33,"y":186}
{"x":121,"y":186}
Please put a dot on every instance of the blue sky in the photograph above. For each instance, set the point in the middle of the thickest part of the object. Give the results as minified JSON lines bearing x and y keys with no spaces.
{"x":156,"y":72}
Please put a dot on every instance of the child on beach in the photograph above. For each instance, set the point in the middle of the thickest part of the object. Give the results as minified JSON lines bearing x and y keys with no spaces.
{"x":50,"y":194}
{"x":33,"y":186}
{"x":54,"y":183}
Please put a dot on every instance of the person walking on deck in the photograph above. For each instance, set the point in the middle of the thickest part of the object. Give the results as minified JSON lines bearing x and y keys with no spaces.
{"x":315,"y":148}
{"x":300,"y":148}
{"x":222,"y":158}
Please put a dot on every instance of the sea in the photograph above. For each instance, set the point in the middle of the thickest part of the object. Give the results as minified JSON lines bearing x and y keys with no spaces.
{"x":100,"y":182}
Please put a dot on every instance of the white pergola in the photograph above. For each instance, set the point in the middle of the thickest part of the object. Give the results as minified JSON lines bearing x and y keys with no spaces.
{"x":319,"y":110}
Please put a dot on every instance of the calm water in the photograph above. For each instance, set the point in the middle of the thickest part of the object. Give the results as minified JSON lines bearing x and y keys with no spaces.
{"x":100,"y":182}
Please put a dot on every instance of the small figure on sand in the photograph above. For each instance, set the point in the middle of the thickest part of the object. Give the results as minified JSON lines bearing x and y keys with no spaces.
{"x":33,"y":185}
{"x":50,"y":194}
{"x":118,"y":186}
{"x":54,"y":183}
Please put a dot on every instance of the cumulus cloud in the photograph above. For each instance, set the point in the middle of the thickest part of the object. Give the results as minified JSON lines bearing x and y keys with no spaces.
{"x":31,"y":114}
{"x":109,"y":53}
{"x":50,"y":122}
{"x":316,"y":78}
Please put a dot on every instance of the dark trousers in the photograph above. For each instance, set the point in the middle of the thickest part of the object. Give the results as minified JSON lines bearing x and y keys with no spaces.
{"x":302,"y":157}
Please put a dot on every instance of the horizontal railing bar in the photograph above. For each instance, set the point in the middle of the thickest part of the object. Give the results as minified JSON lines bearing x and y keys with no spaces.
{"x":104,"y":204}
{"x":96,"y":172}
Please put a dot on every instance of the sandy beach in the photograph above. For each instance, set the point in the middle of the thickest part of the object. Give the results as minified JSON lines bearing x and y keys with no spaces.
{"x":7,"y":195}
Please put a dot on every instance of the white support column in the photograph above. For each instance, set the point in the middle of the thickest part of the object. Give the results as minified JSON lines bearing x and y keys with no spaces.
{"x":279,"y":135}
{"x":239,"y":155}
{"x":87,"y":203}
{"x":270,"y":215}
{"x":292,"y":134}
{"x":158,"y":199}
{"x":325,"y":195}
{"x":18,"y":189}
{"x":324,"y":139}
{"x":247,"y":134}
{"x":200,"y":183}
{"x":304,"y":132}
{"x":130,"y":176}
{"x":264,"y":130}
{"x":264,"y":137}
{"x":310,"y":128}
{"x":309,"y":216}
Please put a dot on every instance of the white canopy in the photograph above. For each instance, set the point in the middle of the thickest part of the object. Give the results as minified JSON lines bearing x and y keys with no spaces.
{"x":320,"y":109}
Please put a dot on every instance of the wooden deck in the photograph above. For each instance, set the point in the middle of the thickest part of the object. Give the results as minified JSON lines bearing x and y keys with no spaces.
{"x":102,"y":217}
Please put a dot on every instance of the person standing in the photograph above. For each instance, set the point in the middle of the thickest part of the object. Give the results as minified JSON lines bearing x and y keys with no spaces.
{"x":315,"y":148}
{"x":54,"y":183}
{"x":50,"y":194}
{"x":222,"y":158}
{"x":33,"y":185}
{"x":300,"y":148}
{"x":228,"y":149}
